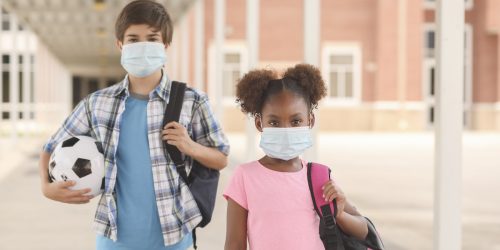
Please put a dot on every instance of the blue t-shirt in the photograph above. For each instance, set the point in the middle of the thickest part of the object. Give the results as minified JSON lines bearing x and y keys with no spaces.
{"x":138,"y":221}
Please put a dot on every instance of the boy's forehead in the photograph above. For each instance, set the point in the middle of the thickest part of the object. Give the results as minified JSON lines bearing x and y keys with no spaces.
{"x":141,"y":29}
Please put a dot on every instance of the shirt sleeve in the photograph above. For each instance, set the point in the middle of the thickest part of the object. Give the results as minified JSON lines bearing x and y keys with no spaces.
{"x":235,"y":190}
{"x":207,"y":131}
{"x":75,"y":124}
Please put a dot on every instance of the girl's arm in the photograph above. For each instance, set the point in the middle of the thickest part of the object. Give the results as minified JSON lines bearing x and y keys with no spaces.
{"x":348,"y":217}
{"x":352,"y":222}
{"x":236,"y":230}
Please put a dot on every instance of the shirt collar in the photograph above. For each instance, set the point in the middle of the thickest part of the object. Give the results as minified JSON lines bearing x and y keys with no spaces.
{"x":162,"y":90}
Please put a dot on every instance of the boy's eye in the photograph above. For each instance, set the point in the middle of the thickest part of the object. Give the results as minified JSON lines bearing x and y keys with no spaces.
{"x":153,"y":40}
{"x":132,"y":40}
{"x":273,"y":123}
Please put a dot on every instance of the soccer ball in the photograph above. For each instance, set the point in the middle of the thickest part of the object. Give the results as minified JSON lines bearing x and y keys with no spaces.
{"x":79,"y":159}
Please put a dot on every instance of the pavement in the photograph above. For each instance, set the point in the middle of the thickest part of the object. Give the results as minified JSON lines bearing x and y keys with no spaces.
{"x":389,"y":177}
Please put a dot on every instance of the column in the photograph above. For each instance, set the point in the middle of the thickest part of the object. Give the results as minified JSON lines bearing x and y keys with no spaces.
{"x":312,"y":36}
{"x":402,"y":65}
{"x":14,"y":78}
{"x":199,"y":44}
{"x":252,"y":29}
{"x":448,"y":129}
{"x":27,"y":67}
{"x":184,"y":32}
{"x":220,"y":16}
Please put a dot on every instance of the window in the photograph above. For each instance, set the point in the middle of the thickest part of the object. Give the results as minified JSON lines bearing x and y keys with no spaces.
{"x":21,"y":89}
{"x":430,"y":38}
{"x":342,"y":72}
{"x":431,"y":4}
{"x":110,"y":82}
{"x":32,"y":87}
{"x":232,"y":72}
{"x":429,"y":72}
{"x":5,"y":20}
{"x":5,"y":79}
{"x":6,"y":86}
{"x":93,"y":85}
{"x":5,"y":60}
{"x":32,"y":80}
{"x":77,"y":86}
{"x":235,"y":64}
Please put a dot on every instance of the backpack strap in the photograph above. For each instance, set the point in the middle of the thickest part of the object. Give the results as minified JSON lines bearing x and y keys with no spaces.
{"x":317,"y":176}
{"x":173,"y":113}
{"x":333,"y":238}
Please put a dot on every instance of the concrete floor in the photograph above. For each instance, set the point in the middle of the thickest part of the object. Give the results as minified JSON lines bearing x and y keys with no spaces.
{"x":389,"y":177}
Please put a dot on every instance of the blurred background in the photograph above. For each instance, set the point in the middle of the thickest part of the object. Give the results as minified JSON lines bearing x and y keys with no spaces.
{"x":375,"y":128}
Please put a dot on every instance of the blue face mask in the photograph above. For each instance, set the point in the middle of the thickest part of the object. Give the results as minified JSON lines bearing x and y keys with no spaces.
{"x":285,"y":143}
{"x":143,"y":58}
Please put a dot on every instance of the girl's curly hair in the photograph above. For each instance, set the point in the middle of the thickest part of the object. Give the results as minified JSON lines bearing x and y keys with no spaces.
{"x":257,"y":86}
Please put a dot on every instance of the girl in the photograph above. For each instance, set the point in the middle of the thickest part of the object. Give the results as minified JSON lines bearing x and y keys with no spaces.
{"x":269,"y":202}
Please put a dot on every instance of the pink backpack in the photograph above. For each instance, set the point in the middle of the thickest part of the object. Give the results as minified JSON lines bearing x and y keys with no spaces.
{"x":332,"y":236}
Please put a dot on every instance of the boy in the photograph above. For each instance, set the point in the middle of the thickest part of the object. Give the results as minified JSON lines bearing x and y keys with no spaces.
{"x":145,"y":205}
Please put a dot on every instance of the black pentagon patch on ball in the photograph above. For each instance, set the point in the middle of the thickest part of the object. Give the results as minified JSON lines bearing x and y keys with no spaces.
{"x":70,"y":142}
{"x":99,"y":147}
{"x":82,"y":167}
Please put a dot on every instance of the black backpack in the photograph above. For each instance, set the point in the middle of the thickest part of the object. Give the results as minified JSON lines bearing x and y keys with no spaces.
{"x":331,"y":235}
{"x":202,"y":181}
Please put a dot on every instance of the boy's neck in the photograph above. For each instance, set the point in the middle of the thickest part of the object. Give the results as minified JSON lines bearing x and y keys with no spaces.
{"x":144,"y":86}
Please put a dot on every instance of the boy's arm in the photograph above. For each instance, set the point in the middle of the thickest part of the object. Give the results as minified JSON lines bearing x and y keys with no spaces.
{"x":208,"y":145}
{"x":76,"y":124}
{"x":59,"y":191}
{"x":177,"y":135}
{"x":236,"y":231}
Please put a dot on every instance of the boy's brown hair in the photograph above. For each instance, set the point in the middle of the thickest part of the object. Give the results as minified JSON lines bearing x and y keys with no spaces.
{"x":145,"y":12}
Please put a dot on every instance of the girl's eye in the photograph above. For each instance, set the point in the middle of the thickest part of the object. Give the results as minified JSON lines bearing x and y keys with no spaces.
{"x":296,"y":122}
{"x":273,"y":123}
{"x":153,"y":40}
{"x":132,"y":40}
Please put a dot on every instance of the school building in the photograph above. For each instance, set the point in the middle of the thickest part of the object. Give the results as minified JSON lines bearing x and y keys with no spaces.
{"x":377,"y":58}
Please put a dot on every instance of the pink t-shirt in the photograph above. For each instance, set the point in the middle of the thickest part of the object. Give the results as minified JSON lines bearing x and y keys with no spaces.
{"x":280,"y":209}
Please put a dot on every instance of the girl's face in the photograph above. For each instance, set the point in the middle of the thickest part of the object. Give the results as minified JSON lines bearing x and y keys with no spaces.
{"x":284,"y":110}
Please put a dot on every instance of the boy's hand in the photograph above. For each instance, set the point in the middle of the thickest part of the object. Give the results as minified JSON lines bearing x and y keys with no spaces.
{"x":332,"y":191}
{"x":176,"y":134}
{"x":59,"y":191}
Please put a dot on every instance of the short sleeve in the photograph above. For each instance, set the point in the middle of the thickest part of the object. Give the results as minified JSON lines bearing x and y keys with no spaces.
{"x":77,"y":123}
{"x":207,"y":131}
{"x":236,"y":188}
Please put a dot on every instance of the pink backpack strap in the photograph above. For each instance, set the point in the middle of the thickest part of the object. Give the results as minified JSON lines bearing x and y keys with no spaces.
{"x":317,"y":176}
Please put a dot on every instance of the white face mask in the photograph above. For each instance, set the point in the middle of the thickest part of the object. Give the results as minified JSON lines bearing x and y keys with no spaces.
{"x":285,"y":143}
{"x":142,"y":59}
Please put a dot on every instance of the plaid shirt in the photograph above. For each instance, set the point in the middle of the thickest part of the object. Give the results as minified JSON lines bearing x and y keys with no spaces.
{"x":99,"y":116}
